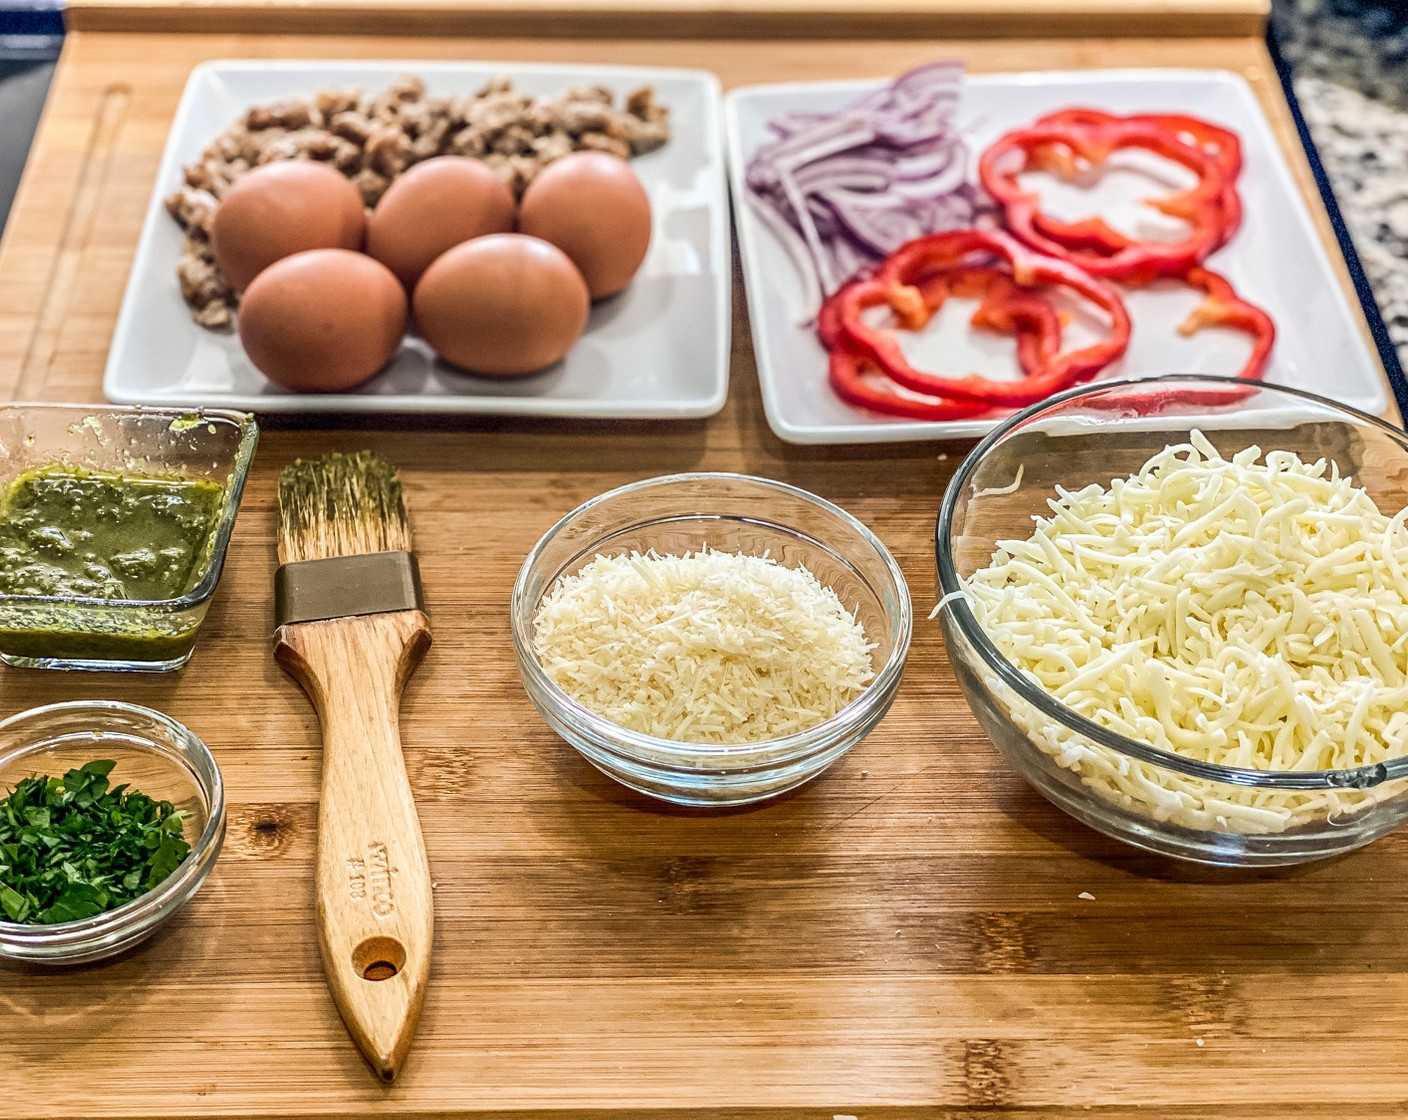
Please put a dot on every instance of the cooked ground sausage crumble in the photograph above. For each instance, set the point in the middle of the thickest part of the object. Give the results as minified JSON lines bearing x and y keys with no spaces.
{"x":372,"y":139}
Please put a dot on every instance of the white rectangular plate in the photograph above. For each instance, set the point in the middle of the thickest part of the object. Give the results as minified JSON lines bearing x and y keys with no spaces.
{"x":660,"y":349}
{"x":1276,"y":260}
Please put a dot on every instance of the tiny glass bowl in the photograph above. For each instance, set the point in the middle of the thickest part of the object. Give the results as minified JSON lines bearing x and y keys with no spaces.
{"x":681,"y":513}
{"x":1153,"y":798}
{"x":86,"y":632}
{"x":156,"y":756}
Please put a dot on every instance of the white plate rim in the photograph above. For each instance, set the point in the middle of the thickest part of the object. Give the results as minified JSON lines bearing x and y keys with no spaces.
{"x":711,"y":398}
{"x":874,"y":430}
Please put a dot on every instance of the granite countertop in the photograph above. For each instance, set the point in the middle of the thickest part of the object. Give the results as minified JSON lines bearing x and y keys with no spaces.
{"x":1350,"y":60}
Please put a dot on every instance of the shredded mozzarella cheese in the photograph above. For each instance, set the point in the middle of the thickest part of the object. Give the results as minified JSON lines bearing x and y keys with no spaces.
{"x":708,"y":647}
{"x":1241,"y":612}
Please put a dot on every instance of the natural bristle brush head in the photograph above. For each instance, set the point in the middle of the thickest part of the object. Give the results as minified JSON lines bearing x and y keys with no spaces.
{"x":341,"y":505}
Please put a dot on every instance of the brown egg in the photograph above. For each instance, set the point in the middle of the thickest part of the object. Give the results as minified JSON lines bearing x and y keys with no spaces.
{"x":322,"y":321}
{"x":592,"y":207}
{"x":280,"y":209}
{"x":502,"y":305}
{"x":433,"y":207}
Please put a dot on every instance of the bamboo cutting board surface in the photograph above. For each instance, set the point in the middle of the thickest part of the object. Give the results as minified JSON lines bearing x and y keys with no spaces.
{"x":681,"y":19}
{"x":906,"y":938}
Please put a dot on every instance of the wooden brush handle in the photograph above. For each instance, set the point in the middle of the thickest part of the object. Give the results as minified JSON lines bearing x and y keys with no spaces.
{"x":375,"y":917}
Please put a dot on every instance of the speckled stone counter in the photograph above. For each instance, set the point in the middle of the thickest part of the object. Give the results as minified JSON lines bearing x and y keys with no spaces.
{"x":1351,"y":77}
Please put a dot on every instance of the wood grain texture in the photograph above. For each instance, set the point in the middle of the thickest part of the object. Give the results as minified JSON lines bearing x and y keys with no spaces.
{"x":680,"y":19}
{"x":376,"y":920}
{"x":903,"y":939}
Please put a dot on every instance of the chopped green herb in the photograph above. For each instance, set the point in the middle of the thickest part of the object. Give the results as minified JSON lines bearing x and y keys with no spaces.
{"x":73,"y":847}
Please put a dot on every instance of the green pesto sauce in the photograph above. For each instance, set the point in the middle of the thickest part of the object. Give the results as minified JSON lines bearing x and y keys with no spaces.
{"x":70,"y":532}
{"x":67,"y":531}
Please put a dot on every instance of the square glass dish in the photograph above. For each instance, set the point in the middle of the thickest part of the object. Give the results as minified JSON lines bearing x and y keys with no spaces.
{"x":70,"y":630}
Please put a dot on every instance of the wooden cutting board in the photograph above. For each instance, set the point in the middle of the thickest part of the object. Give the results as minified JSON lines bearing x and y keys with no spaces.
{"x":682,"y":19}
{"x":916,"y":935}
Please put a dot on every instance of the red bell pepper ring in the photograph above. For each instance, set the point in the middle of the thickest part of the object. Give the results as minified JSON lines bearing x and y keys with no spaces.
{"x":883,"y":348}
{"x":1095,"y":234}
{"x":1004,"y":307}
{"x":1220,"y":143}
{"x":938,"y":252}
{"x":1223,"y":307}
{"x":828,"y":322}
{"x":924,"y":258}
{"x":846,"y":371}
{"x":1201,"y":206}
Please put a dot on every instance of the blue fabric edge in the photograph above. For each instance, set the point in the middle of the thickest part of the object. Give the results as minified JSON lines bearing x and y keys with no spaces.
{"x":46,"y":22}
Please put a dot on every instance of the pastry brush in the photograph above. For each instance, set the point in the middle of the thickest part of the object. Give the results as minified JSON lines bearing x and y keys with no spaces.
{"x":351,"y":627}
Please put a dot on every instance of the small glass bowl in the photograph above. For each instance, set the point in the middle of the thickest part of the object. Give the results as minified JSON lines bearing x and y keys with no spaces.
{"x":83,"y":632}
{"x":1091,"y":436}
{"x":731,"y":513}
{"x":155,"y":755}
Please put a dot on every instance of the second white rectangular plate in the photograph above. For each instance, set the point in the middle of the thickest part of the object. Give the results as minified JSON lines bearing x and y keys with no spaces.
{"x":660,"y":349}
{"x":1276,"y":260}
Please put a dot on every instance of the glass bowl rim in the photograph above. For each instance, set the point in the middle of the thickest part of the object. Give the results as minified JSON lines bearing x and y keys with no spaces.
{"x":784,"y":746}
{"x":229,"y":507}
{"x":952,"y":601}
{"x":191,"y":869}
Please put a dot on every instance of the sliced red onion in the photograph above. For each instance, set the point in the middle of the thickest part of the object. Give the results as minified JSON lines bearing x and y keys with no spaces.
{"x":796,"y":248}
{"x":842,"y":190}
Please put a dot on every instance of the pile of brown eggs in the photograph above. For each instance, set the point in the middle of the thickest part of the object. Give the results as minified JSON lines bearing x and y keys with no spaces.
{"x":499,"y":288}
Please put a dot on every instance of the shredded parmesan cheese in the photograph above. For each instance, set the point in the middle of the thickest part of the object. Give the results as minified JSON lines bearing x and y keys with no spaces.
{"x":1241,"y":612}
{"x":708,"y":647}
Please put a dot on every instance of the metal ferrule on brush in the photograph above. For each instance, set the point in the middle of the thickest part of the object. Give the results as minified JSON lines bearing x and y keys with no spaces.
{"x":346,"y":586}
{"x":344,"y":541}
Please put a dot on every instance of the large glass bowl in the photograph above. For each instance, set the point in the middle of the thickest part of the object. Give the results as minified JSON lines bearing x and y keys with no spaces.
{"x":85,"y":632}
{"x":730,"y":513}
{"x":1108,"y":431}
{"x":156,"y":756}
